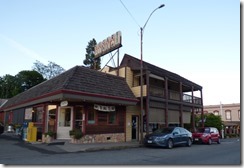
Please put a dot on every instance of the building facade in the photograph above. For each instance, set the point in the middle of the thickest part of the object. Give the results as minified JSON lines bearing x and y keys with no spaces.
{"x":80,"y":98}
{"x":168,"y":99}
{"x":230,"y":115}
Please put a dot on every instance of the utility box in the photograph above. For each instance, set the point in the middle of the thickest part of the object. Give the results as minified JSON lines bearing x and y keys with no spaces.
{"x":31,"y":132}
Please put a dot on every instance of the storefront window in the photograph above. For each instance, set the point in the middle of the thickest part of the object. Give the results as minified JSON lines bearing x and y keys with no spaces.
{"x":112,"y":117}
{"x":51,"y":117}
{"x":91,"y":116}
{"x":78,"y":117}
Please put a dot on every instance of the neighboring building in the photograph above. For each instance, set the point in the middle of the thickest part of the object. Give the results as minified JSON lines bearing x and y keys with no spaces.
{"x":168,"y":99}
{"x":82,"y":98}
{"x":230,"y":115}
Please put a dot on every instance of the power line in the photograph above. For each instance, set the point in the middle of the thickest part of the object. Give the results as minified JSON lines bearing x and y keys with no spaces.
{"x":130,"y":14}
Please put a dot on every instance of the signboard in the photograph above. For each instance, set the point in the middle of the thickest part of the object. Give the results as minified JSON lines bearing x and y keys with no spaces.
{"x":28,"y":113}
{"x":64,"y":103}
{"x":104,"y":108}
{"x":110,"y":44}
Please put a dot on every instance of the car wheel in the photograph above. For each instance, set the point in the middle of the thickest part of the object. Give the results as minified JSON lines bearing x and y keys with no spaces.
{"x":189,"y":142}
{"x":170,"y":144}
{"x":218,"y":141}
{"x":209,"y":141}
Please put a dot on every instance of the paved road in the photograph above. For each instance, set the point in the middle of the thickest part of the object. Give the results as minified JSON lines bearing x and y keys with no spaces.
{"x":16,"y":152}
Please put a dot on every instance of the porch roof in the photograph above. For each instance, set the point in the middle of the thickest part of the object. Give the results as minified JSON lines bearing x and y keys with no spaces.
{"x":77,"y":84}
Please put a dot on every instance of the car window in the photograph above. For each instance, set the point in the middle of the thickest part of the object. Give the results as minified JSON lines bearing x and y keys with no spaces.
{"x":177,"y":130}
{"x":164,"y":131}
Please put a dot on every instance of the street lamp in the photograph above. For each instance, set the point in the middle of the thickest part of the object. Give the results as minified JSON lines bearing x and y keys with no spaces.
{"x":142,"y":30}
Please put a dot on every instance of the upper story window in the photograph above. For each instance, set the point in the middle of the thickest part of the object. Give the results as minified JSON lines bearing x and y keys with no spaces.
{"x":216,"y":112}
{"x":228,"y":115}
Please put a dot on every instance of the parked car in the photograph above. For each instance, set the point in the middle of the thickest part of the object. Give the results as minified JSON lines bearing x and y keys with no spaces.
{"x":1,"y":128}
{"x":206,"y":135}
{"x":169,"y":137}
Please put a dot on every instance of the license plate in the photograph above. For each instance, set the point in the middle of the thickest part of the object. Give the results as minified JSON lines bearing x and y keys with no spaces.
{"x":149,"y":141}
{"x":196,"y":139}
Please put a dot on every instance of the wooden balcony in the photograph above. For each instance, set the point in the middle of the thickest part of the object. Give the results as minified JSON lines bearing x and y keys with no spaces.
{"x":137,"y":90}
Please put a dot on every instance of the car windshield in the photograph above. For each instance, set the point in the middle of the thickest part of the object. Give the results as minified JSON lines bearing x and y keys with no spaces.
{"x":203,"y":130}
{"x":164,"y":131}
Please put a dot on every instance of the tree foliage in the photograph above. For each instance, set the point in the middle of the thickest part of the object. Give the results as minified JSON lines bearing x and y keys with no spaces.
{"x":13,"y":85}
{"x":90,"y":60}
{"x":48,"y":71}
{"x":211,"y":120}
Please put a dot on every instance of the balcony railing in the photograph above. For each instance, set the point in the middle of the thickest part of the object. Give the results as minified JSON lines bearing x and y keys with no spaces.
{"x":173,"y":95}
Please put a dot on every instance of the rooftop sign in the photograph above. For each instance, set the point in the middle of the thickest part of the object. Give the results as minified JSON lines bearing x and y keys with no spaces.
{"x":110,"y":44}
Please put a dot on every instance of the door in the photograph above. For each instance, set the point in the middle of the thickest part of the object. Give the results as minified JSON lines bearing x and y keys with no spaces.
{"x":134,"y":128}
{"x":65,"y":121}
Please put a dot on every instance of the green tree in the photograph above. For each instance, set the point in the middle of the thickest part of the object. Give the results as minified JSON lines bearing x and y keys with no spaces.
{"x":48,"y":71}
{"x":90,"y":60}
{"x":27,"y":79}
{"x":8,"y":86}
{"x":211,"y":120}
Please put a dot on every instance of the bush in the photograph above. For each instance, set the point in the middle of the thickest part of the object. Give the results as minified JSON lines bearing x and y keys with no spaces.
{"x":76,"y":133}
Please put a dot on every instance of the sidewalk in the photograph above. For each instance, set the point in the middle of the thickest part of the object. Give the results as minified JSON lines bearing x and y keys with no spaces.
{"x":63,"y":146}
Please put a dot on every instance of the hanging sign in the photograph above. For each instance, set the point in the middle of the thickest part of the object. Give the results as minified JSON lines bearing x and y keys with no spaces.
{"x":104,"y":108}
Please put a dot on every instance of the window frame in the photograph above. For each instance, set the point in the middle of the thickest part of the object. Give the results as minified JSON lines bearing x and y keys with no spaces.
{"x":226,"y":115}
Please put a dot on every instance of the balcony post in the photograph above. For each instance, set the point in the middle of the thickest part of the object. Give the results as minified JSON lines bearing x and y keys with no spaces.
{"x":193,"y":109}
{"x":166,"y":101}
{"x":202,"y":115}
{"x":181,"y":105}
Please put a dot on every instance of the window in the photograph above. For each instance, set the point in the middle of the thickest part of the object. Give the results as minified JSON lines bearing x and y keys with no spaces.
{"x":216,"y":112}
{"x":228,"y":115}
{"x":91,"y":116}
{"x":112,"y":117}
{"x":78,"y":117}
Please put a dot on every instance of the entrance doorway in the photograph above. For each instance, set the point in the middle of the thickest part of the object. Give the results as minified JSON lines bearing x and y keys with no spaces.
{"x":134,"y":128}
{"x":65,"y":121}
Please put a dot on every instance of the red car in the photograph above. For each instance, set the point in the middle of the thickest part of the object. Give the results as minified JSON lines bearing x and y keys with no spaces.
{"x":206,"y":135}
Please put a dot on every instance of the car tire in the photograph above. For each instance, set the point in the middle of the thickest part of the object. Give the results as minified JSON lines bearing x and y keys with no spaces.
{"x":218,"y":141}
{"x":209,"y":141}
{"x":170,"y":144}
{"x":189,"y":142}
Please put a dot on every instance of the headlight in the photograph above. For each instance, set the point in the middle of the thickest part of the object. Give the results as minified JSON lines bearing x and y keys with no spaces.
{"x":204,"y":135}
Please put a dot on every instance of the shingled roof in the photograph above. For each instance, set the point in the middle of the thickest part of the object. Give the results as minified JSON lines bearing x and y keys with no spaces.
{"x":134,"y":64}
{"x":78,"y":83}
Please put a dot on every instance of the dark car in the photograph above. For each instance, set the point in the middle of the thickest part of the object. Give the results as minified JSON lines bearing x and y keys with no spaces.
{"x":206,"y":135}
{"x":169,"y":137}
{"x":1,"y":128}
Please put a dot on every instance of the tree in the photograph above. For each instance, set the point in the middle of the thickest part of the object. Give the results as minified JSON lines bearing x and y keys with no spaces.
{"x":48,"y":71}
{"x":8,"y":86}
{"x":90,"y":60}
{"x":211,"y":120}
{"x":13,"y":85}
{"x":27,"y":79}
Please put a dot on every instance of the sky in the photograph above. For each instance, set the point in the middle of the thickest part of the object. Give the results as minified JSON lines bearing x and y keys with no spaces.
{"x":198,"y":40}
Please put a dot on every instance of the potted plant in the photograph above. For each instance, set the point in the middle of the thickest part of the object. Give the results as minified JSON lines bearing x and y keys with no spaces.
{"x":49,"y":136}
{"x":75,"y":135}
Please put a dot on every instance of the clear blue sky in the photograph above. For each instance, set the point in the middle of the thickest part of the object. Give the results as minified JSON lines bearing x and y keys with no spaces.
{"x":199,"y":40}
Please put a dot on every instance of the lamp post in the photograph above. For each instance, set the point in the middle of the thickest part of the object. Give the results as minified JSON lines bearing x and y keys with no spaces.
{"x":141,"y":71}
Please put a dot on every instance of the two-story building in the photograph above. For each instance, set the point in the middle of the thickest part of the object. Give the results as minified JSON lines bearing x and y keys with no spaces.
{"x":168,"y":98}
{"x":230,"y":115}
